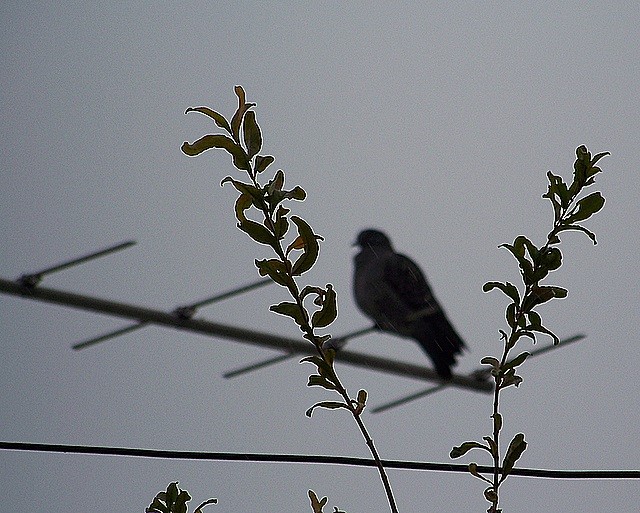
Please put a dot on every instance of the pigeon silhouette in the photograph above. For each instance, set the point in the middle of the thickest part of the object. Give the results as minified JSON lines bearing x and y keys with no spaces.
{"x":391,"y":290}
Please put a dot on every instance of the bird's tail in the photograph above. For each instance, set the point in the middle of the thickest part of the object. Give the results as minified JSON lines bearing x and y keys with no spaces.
{"x":441,"y":342}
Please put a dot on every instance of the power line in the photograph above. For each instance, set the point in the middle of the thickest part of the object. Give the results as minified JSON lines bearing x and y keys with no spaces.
{"x":312,"y":459}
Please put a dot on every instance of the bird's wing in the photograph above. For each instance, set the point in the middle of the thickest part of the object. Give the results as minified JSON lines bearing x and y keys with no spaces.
{"x":405,"y":278}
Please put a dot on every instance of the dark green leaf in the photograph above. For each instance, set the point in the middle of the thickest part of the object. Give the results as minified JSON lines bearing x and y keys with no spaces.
{"x":523,"y":333}
{"x":463,"y":449}
{"x":208,"y":142}
{"x":258,"y":232}
{"x":297,"y":193}
{"x":518,"y":360}
{"x":597,"y":157}
{"x":277,"y":183}
{"x":541,"y":329}
{"x":510,"y":315}
{"x":330,"y":405}
{"x":180,"y":505}
{"x":292,"y":310}
{"x":320,"y":381}
{"x":508,"y":288}
{"x":277,"y":271}
{"x":252,"y":134}
{"x":510,"y":378}
{"x":493,"y":448}
{"x":541,"y":294}
{"x":490,"y":360}
{"x":281,"y":225}
{"x":515,"y":450}
{"x":578,"y":228}
{"x":262,"y":162}
{"x":218,"y":118}
{"x":548,"y":260}
{"x":172,"y":493}
{"x":243,"y":202}
{"x":256,"y":194}
{"x":311,"y":247}
{"x":329,"y":311}
{"x":324,"y":368}
{"x":236,"y":121}
{"x":518,"y":251}
{"x":586,"y":207}
{"x":205,"y":503}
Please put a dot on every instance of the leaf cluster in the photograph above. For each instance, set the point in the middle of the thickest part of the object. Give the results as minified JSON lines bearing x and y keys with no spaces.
{"x":243,"y":141}
{"x":265,"y":197}
{"x":174,"y":500}
{"x":570,"y":208}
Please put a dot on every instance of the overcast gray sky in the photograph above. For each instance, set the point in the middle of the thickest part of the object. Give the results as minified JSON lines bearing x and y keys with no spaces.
{"x":433,"y":121}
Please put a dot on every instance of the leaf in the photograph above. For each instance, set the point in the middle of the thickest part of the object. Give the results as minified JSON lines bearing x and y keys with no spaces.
{"x":490,"y":360}
{"x":281,"y":224}
{"x":585,"y":208}
{"x":541,"y":329}
{"x":578,"y":228}
{"x":205,"y":503}
{"x":548,"y":260}
{"x":208,"y":142}
{"x":541,"y":294}
{"x":517,"y":249}
{"x":510,"y":315}
{"x":243,"y":203}
{"x":463,"y":449}
{"x":277,"y":271}
{"x":510,"y":378}
{"x":252,"y":134}
{"x":236,"y":120}
{"x":220,"y":120}
{"x":508,"y":288}
{"x":515,"y":450}
{"x":493,"y":448}
{"x":258,"y":232}
{"x":180,"y":505}
{"x":311,"y":247}
{"x":172,"y":493}
{"x":329,"y":405}
{"x":262,"y":162}
{"x":316,"y":504}
{"x":324,"y":368}
{"x":292,"y":310}
{"x":597,"y":157}
{"x":329,"y":311}
{"x":256,"y":194}
{"x":320,"y":381}
{"x":277,"y":183}
{"x":518,"y":360}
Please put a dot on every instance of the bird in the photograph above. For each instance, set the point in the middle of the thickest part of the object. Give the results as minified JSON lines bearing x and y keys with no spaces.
{"x":391,"y":290}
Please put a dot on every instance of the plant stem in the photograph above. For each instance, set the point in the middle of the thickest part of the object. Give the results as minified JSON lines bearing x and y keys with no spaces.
{"x":311,"y":335}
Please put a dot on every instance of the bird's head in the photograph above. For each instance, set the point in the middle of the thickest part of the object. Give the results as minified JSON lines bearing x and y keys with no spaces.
{"x":372,"y":239}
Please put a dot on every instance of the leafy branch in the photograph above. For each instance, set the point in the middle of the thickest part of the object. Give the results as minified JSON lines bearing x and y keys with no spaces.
{"x":271,"y":229}
{"x":174,"y":500}
{"x":523,"y":321}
